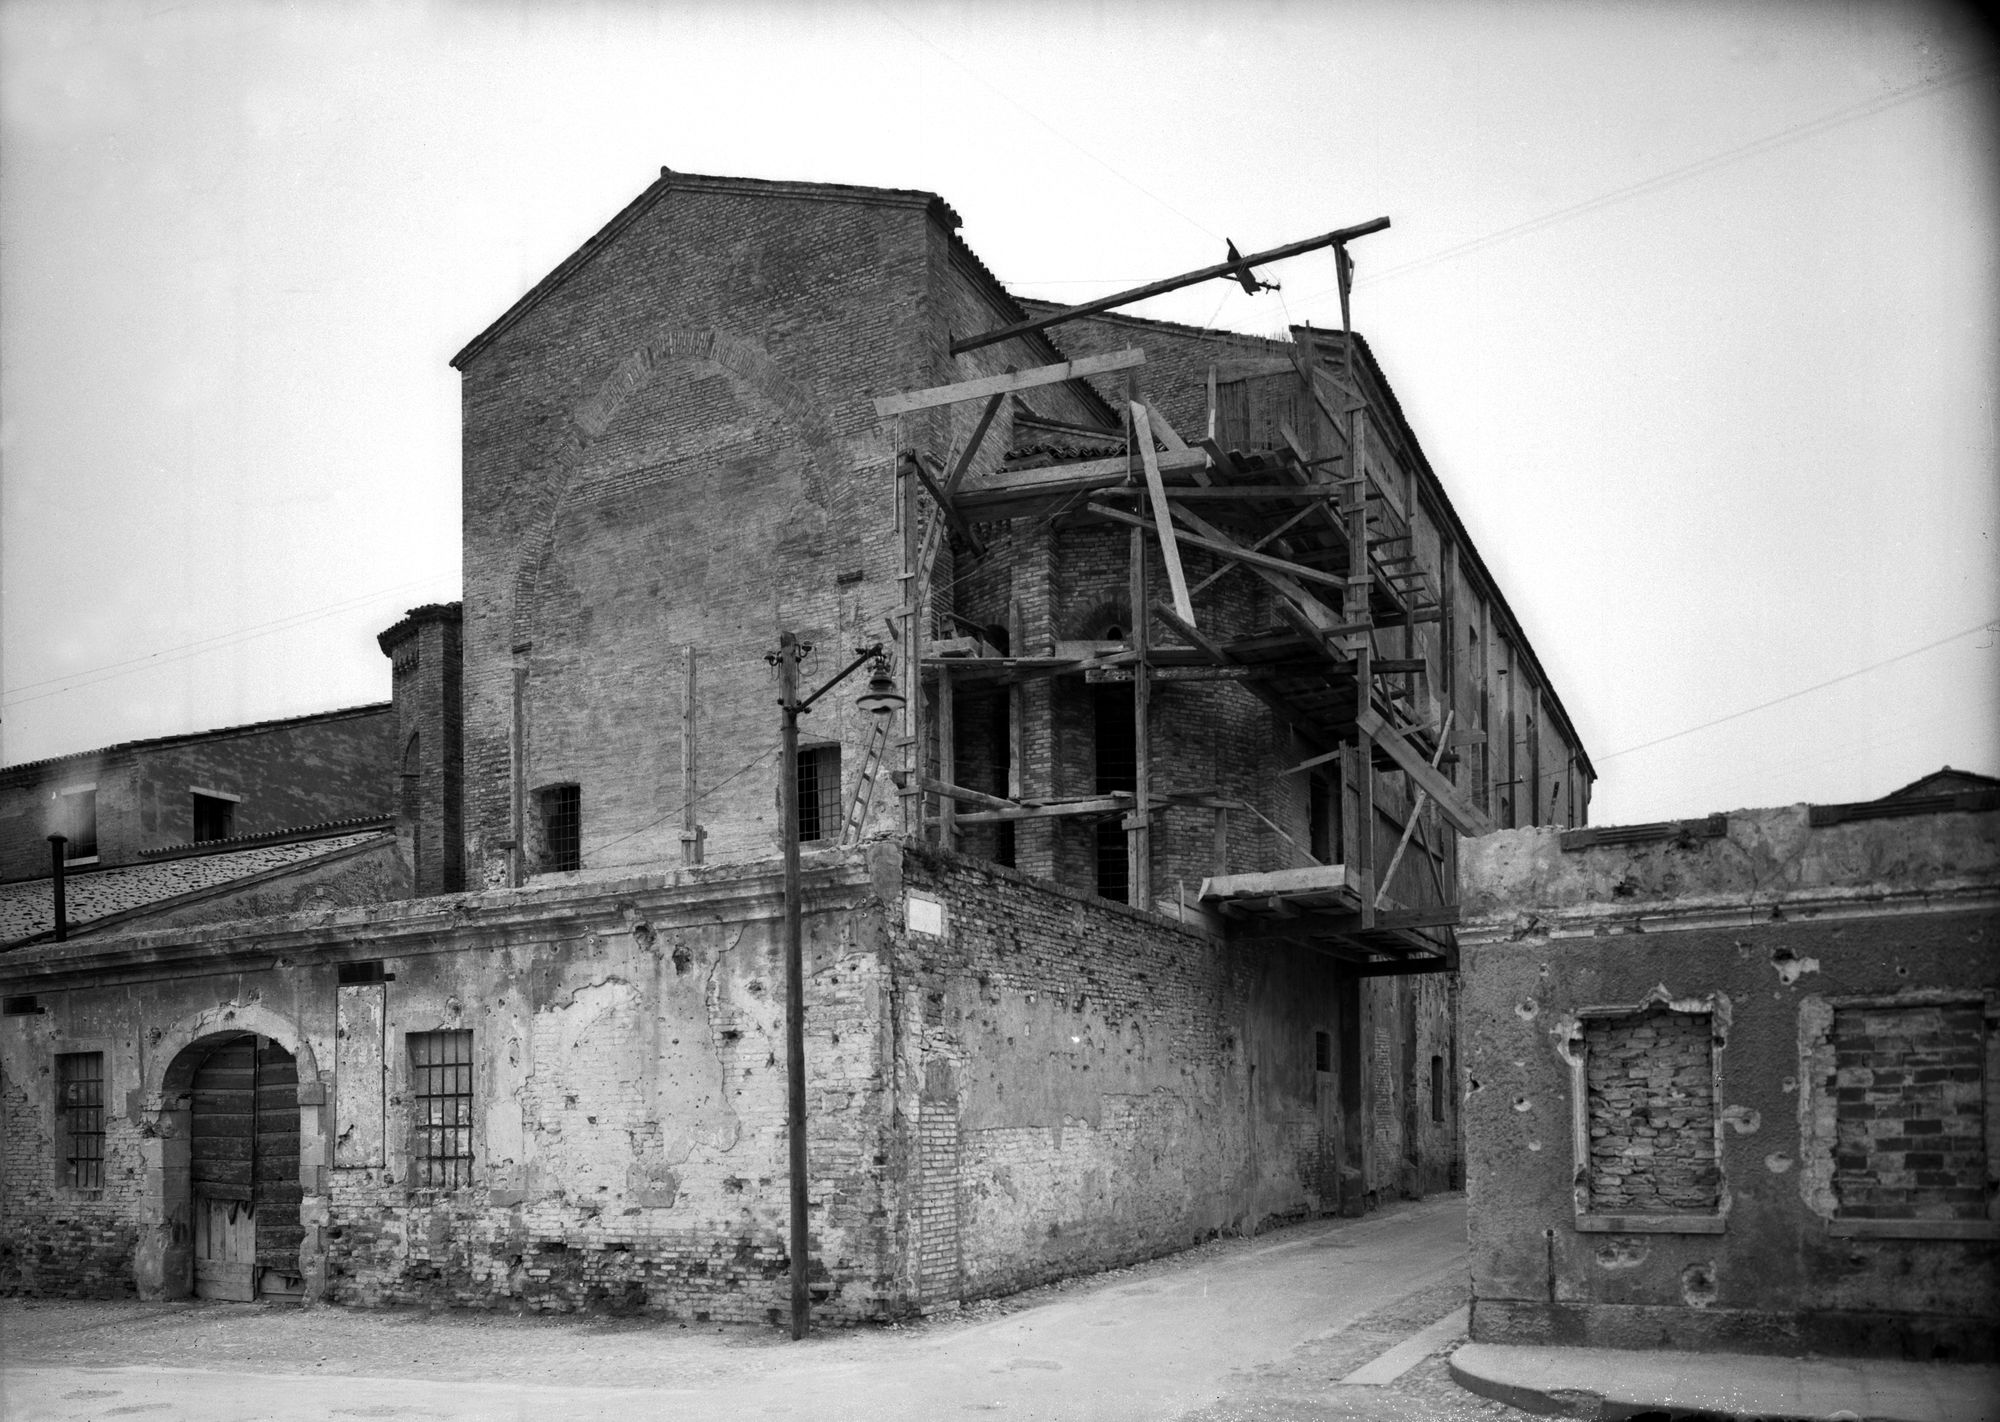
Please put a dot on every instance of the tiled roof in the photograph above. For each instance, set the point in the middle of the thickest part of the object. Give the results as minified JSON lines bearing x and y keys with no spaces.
{"x":373,"y":708}
{"x":26,"y":907}
{"x":321,"y":830}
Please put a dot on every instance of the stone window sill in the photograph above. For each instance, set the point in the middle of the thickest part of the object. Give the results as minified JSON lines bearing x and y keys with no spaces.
{"x":1650,"y":1224}
{"x":1914,"y":1229}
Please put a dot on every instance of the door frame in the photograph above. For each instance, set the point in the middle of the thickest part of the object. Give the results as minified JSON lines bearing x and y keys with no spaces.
{"x":163,"y":1263}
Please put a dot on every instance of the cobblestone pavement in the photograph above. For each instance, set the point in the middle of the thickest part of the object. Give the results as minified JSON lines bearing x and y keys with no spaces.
{"x":1235,"y":1330}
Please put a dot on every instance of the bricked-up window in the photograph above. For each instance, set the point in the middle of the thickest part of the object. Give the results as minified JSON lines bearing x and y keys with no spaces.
{"x":1909,"y":1113}
{"x":441,"y":1090}
{"x":80,"y":1103}
{"x":214,"y":818}
{"x":561,"y":808}
{"x":76,"y":817}
{"x":819,"y":793}
{"x":1651,"y":1083}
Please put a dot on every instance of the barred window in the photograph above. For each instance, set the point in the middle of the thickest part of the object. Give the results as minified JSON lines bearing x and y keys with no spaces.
{"x":80,"y":1103}
{"x":819,"y":793}
{"x":441,"y":1091}
{"x":562,"y":827}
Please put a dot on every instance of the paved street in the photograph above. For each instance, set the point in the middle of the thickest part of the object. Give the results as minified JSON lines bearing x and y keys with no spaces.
{"x":1237,"y":1329}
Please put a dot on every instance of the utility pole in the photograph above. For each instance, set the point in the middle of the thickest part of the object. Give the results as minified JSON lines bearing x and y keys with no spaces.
{"x":795,"y":988}
{"x":881,"y":700}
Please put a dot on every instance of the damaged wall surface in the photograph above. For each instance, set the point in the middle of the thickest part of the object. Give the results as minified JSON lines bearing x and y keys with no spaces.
{"x":989,"y":1108}
{"x":1735,"y":1084}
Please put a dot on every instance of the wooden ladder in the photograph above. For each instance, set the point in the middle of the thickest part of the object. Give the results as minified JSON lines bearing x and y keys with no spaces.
{"x":863,"y":796}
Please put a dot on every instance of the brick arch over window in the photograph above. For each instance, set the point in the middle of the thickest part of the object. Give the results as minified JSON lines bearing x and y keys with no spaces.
{"x":163,"y":1263}
{"x":1095,"y":624}
{"x":593,"y":417}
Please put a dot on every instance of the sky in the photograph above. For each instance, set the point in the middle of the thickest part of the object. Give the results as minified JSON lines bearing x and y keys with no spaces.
{"x":1692,"y":307}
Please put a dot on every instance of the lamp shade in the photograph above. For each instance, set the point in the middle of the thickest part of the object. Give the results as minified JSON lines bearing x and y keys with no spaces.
{"x":881,"y":698}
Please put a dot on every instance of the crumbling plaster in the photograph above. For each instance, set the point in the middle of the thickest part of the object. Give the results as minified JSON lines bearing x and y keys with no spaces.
{"x":1778,"y":920}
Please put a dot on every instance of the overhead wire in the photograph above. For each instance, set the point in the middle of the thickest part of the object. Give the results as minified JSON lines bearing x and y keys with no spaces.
{"x":1990,"y":625}
{"x":1811,"y":127}
{"x":110,"y":671}
{"x":1124,"y":177}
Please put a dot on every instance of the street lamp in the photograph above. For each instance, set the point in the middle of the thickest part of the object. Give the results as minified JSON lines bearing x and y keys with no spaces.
{"x":883,"y":701}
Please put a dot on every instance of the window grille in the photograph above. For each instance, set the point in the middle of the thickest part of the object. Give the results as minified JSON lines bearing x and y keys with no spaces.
{"x":441,"y":1091}
{"x":80,"y":1101}
{"x":819,"y":793}
{"x":562,"y":826}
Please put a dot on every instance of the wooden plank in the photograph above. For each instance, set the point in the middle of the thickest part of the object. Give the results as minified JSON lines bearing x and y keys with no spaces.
{"x":1237,"y":263}
{"x":970,"y":797}
{"x":1464,"y":818}
{"x":1170,"y":553}
{"x":965,"y":456}
{"x":988,"y":386}
{"x":1317,"y":879}
{"x":949,"y":508}
{"x":1100,"y":805}
{"x":1250,"y":368}
{"x":1065,"y":478}
{"x":947,"y":757}
{"x":1138,"y":832}
{"x":1227,"y":548}
{"x":1168,"y":435}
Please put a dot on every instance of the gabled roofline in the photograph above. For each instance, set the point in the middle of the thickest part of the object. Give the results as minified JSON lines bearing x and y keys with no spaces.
{"x":373,"y":708}
{"x":670,"y":181}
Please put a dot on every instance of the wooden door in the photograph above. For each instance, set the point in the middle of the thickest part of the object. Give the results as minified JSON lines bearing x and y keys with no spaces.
{"x":244,"y":1171}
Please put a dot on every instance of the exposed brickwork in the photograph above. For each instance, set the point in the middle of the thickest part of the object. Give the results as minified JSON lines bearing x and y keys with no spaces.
{"x":59,"y":1240}
{"x":1119,"y":1102}
{"x":1910,"y":1111}
{"x":1652,"y":1113}
{"x":427,"y":654}
{"x":310,"y":770}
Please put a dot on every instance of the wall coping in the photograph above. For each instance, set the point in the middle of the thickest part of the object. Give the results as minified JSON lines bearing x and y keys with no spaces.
{"x":442,"y":923}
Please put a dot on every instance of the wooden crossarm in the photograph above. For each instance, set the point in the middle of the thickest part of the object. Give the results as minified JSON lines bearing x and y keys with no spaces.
{"x":990,"y":385}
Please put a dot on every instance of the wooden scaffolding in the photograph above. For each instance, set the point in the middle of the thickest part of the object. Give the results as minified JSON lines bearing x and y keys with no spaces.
{"x":1317,"y":511}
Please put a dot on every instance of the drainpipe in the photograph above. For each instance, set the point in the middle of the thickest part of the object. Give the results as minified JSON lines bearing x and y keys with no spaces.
{"x":58,"y":845}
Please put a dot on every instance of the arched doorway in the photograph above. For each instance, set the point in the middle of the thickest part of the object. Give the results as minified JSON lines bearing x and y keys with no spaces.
{"x":243,"y":1167}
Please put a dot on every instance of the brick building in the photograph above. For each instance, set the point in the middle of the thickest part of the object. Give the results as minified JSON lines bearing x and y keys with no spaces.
{"x":1133,"y":926}
{"x":1733,"y":1083}
{"x":199,"y":825}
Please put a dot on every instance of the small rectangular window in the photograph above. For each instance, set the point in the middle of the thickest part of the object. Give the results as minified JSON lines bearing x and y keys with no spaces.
{"x":1322,"y":1051}
{"x":562,"y":827}
{"x":819,"y":793}
{"x":441,"y":1093}
{"x":23,"y":1006}
{"x":1437,"y":1089}
{"x":214,"y":818}
{"x":80,"y":1104}
{"x":77,"y":818}
{"x":1323,"y":819}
